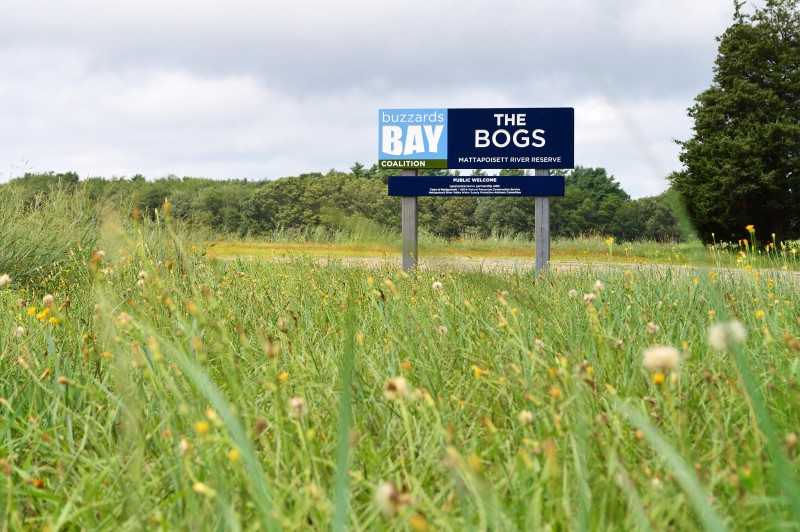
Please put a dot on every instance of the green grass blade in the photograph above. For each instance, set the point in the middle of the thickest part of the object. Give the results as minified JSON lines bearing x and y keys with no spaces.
{"x":698,"y":497}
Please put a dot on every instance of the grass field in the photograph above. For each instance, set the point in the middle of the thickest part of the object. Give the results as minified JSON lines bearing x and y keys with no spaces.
{"x":163,"y":388}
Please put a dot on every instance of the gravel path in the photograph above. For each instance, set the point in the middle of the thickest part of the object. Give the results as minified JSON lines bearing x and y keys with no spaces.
{"x":499,"y":265}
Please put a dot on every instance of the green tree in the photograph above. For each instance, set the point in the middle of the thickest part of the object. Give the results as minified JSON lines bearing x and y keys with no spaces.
{"x":592,"y":199}
{"x":742,"y":166}
{"x":595,"y":182}
{"x":358,"y":170}
{"x":505,"y":215}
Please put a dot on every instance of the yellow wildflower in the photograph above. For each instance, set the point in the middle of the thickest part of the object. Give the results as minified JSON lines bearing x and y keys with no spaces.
{"x":479,"y":372}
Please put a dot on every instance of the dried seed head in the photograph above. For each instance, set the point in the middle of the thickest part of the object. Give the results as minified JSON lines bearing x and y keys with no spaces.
{"x":203,"y":489}
{"x":395,"y":388}
{"x":184,"y":446}
{"x":724,"y":336}
{"x":297,"y":407}
{"x":387,"y":497}
{"x":791,"y":441}
{"x":661,"y":358}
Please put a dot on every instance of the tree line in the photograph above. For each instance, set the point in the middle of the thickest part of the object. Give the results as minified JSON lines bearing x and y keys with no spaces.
{"x":594,"y":204}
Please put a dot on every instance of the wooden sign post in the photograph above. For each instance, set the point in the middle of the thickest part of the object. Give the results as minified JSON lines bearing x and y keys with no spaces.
{"x":409,"y":228}
{"x":541,"y":236}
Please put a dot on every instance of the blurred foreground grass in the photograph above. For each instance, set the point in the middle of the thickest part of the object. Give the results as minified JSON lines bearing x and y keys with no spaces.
{"x":162,"y":388}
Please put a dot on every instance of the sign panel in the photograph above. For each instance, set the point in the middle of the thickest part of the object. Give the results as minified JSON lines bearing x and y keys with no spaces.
{"x":450,"y":186}
{"x":412,"y":138}
{"x":477,"y":138}
{"x":511,"y":138}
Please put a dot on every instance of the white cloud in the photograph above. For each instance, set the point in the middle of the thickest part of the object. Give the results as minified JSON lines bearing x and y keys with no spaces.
{"x":253,"y":89}
{"x":680,"y":23}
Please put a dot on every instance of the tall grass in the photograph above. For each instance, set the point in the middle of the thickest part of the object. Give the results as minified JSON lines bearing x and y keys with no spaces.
{"x":176,"y":391}
{"x":39,"y":234}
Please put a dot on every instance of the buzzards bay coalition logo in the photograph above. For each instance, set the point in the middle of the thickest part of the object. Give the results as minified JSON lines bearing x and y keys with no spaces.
{"x":413,"y":138}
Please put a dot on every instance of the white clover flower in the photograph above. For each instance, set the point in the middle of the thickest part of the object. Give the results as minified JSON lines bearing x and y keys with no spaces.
{"x":661,"y":358}
{"x":723,"y":336}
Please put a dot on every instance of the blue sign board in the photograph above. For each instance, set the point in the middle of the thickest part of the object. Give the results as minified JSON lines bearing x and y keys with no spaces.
{"x":477,"y":138}
{"x":449,"y":186}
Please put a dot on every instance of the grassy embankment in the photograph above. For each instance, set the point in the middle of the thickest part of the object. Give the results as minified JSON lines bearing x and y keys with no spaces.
{"x":162,"y":388}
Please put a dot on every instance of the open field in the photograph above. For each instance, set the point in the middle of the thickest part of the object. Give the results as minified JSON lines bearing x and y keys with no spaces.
{"x":164,"y":388}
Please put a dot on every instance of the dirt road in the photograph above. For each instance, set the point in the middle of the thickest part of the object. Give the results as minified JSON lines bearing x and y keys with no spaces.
{"x":499,"y":265}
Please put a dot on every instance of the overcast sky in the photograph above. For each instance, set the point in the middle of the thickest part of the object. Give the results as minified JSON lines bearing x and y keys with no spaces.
{"x":264,"y":89}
